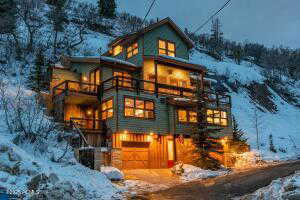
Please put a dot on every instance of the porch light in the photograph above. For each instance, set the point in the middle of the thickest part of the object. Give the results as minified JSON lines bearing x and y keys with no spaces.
{"x":151,"y":133}
{"x":149,"y":138}
{"x":84,"y":78}
{"x":125,"y":132}
{"x":224,"y":141}
{"x":89,"y":112}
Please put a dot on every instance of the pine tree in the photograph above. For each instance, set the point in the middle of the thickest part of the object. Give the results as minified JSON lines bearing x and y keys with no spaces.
{"x":35,"y":79}
{"x":8,"y":16}
{"x":238,"y":54}
{"x":238,"y":134}
{"x":272,"y":147}
{"x":107,"y":8}
{"x":203,"y":135}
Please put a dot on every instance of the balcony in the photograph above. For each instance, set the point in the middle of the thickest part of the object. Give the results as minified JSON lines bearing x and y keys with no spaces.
{"x":175,"y":94}
{"x":76,"y":92}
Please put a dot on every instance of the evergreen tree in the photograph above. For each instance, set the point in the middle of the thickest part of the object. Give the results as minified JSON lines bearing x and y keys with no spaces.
{"x":202,"y":135}
{"x":107,"y":8}
{"x":36,"y":79}
{"x":238,"y":134}
{"x":238,"y":54}
{"x":8,"y":16}
{"x":272,"y":147}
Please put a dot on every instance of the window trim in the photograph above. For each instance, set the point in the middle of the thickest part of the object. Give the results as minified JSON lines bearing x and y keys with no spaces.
{"x":187,"y":116}
{"x":106,"y":110}
{"x":167,"y":47}
{"x":220,"y":117}
{"x":131,"y":45}
{"x":134,"y":107}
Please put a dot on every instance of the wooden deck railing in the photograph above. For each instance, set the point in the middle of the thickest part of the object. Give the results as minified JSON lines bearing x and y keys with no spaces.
{"x":76,"y":87}
{"x":137,"y":85}
{"x":87,"y":123}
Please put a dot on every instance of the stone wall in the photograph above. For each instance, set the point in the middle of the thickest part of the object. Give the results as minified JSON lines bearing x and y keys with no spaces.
{"x":116,"y":158}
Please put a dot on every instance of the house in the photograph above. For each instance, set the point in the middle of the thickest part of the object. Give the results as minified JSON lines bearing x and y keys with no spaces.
{"x":137,"y":98}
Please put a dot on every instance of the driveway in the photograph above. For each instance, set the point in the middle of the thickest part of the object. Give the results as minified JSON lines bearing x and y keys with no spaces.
{"x":153,"y":176}
{"x":225,"y":187}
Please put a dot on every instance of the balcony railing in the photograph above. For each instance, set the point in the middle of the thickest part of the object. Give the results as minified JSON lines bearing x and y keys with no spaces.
{"x":76,"y":87}
{"x":87,"y":123}
{"x":137,"y":85}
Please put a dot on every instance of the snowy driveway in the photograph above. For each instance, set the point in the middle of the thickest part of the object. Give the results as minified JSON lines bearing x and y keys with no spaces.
{"x":150,"y":180}
{"x":226,"y":187}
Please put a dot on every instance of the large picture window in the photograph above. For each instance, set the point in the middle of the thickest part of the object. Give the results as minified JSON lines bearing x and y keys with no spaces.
{"x":217,"y":117}
{"x":107,"y":109}
{"x":139,"y":108}
{"x":132,"y":50}
{"x":187,"y":116}
{"x":166,"y":48}
{"x":125,"y":79}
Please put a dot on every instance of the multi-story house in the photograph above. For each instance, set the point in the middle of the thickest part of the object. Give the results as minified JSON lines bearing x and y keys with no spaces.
{"x":138,"y":98}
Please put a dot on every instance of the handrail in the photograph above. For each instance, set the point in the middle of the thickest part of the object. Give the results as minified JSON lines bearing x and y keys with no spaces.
{"x":95,"y":125}
{"x":80,"y":133}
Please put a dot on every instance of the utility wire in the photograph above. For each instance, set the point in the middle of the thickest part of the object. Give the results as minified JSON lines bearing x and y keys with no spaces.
{"x":208,"y":20}
{"x":148,"y":12}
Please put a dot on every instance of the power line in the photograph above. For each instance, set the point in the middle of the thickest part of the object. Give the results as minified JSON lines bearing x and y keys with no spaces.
{"x":208,"y":20}
{"x":148,"y":12}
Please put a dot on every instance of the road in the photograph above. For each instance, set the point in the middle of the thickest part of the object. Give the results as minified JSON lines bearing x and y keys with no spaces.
{"x":226,"y":187}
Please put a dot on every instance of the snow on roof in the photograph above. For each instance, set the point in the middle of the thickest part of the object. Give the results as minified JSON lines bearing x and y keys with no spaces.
{"x":110,"y":59}
{"x":211,"y":80}
{"x":59,"y":65}
{"x":178,"y":59}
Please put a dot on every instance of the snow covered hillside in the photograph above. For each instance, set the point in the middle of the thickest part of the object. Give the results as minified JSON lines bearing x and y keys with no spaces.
{"x":283,"y":125}
{"x":42,"y":165}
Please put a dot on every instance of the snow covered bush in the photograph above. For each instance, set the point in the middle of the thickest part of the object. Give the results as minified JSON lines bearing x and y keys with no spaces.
{"x":112,"y":173}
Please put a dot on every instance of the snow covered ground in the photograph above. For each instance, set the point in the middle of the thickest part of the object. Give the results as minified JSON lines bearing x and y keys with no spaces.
{"x":34,"y":166}
{"x":283,"y":125}
{"x":279,"y":189}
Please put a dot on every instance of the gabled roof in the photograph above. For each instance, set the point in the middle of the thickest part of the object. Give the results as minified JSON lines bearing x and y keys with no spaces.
{"x":130,"y":37}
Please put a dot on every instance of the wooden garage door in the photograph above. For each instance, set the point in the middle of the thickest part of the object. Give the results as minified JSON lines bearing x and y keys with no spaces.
{"x":135,"y":155}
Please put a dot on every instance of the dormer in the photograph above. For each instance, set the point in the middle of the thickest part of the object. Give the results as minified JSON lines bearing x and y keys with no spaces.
{"x":161,"y":38}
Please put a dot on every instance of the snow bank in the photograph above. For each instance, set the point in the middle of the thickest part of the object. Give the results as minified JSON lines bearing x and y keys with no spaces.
{"x":193,"y":173}
{"x":279,"y":189}
{"x":143,"y":186}
{"x":112,"y":173}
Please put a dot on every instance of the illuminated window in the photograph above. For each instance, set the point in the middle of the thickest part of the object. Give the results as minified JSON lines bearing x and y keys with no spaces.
{"x":107,"y":109}
{"x":117,"y":50}
{"x":166,"y":48}
{"x":125,"y":79}
{"x":132,"y":50}
{"x":217,"y":117}
{"x":139,"y":108}
{"x":187,"y":116}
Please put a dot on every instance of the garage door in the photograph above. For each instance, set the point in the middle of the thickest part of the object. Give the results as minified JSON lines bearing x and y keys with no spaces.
{"x":135,"y":155}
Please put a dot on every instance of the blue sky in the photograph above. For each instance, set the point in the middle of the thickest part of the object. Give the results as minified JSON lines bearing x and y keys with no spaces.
{"x":270,"y":22}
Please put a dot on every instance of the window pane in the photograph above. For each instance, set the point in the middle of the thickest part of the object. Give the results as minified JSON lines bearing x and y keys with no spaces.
{"x":104,"y":115}
{"x":209,"y":113}
{"x":162,"y":52}
{"x":223,"y":115}
{"x":104,"y":106}
{"x":117,"y":50}
{"x":149,"y":105}
{"x":110,"y":103}
{"x":224,"y":122}
{"x":129,"y":102}
{"x":110,"y":113}
{"x":129,"y":49}
{"x":139,"y":113}
{"x":129,"y":112}
{"x":216,"y":120}
{"x":172,"y":54}
{"x":162,"y":44}
{"x":139,"y":104}
{"x":135,"y":51}
{"x":171,"y":46}
{"x":135,"y":45}
{"x":149,"y":114}
{"x":193,"y":116}
{"x":216,"y":113}
{"x":210,"y":120}
{"x":182,"y":115}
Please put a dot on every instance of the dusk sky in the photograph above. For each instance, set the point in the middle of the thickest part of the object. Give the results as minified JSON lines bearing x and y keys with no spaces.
{"x":271,"y":22}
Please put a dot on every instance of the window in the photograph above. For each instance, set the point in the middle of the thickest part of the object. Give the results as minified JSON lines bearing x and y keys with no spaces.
{"x":217,"y":117}
{"x":166,"y":48}
{"x":187,"y":116}
{"x":139,"y":108}
{"x":117,"y":50}
{"x":107,"y":109}
{"x":132,"y":50}
{"x":125,"y":79}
